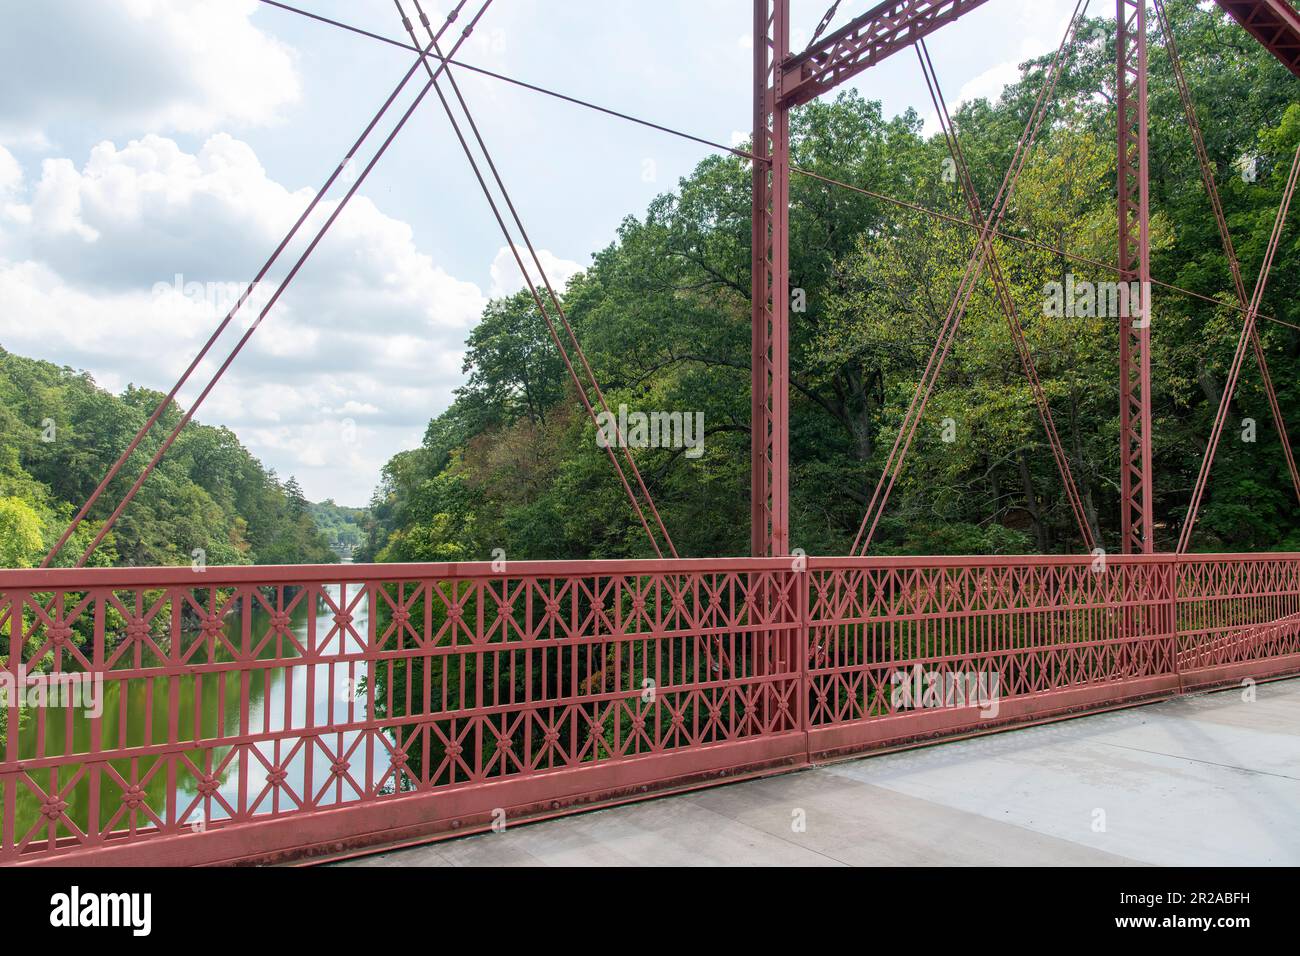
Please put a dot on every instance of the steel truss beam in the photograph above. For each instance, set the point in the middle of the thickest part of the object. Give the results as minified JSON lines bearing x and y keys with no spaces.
{"x":770,"y":287}
{"x":1273,"y":23}
{"x":1135,"y":274}
{"x":865,"y":41}
{"x":782,"y":81}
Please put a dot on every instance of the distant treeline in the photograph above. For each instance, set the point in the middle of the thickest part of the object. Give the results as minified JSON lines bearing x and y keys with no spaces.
{"x":209,"y":498}
{"x":344,"y":528}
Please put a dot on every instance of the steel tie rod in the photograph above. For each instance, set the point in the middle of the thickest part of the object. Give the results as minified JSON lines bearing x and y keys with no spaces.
{"x":1005,"y":298}
{"x":1230,"y":387}
{"x":361,"y":178}
{"x":532,"y":287}
{"x":907,"y":431}
{"x":1225,"y":236}
{"x":248,"y":291}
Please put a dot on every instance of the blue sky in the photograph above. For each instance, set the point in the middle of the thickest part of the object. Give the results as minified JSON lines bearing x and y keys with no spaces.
{"x":152,"y":153}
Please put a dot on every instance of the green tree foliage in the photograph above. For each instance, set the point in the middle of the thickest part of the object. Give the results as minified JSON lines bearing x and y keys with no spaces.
{"x":59,"y":433}
{"x":20,"y":534}
{"x":344,"y":528}
{"x":664,"y":315}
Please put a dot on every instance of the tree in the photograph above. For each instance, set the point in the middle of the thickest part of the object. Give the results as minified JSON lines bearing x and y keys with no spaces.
{"x":20,"y":534}
{"x":59,"y":434}
{"x":663,"y":314}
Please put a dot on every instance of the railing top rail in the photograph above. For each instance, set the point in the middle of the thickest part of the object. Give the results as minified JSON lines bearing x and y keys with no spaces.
{"x":71,"y":578}
{"x":364,"y":573}
{"x":1041,"y":560}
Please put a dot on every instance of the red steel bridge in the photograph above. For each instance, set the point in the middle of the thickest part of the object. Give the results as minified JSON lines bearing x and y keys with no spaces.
{"x":477,"y":690}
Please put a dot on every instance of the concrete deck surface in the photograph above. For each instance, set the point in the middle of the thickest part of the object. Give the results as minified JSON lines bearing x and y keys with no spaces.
{"x":1208,"y":780}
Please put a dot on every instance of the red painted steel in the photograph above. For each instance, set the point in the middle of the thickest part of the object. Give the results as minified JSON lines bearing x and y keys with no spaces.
{"x":824,"y":22}
{"x":865,"y":41}
{"x":1236,"y":612}
{"x":547,"y":685}
{"x":1274,"y":23}
{"x":1133,"y":201}
{"x":978,"y":643}
{"x":770,"y":287}
{"x":469,"y":690}
{"x":469,"y":680}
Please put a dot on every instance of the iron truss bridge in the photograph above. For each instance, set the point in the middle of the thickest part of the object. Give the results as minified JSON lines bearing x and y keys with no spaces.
{"x":456,"y":693}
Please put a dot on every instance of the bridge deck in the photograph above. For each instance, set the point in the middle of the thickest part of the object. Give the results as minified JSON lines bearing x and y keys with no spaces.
{"x":1203,"y":780}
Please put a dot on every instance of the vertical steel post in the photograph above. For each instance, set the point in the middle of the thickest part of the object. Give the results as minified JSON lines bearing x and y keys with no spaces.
{"x":770,"y":292}
{"x":1135,"y":274}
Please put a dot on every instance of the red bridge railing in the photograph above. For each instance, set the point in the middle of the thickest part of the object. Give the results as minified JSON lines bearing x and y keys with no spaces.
{"x":238,"y":714}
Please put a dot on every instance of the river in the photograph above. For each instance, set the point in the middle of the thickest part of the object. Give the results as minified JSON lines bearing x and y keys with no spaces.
{"x":273,"y":700}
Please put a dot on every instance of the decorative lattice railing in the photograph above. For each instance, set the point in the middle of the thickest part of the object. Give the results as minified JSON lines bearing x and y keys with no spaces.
{"x":178,"y":715}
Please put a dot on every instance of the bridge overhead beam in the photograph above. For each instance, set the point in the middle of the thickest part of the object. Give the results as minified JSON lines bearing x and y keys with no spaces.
{"x":879,"y":33}
{"x":1274,"y":23}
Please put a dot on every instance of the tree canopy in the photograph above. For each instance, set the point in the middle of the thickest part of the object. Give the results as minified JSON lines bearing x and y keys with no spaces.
{"x":208,"y":499}
{"x":663,"y":313}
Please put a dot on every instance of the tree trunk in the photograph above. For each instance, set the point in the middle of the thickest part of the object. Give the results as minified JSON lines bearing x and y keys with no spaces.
{"x":1031,"y":504}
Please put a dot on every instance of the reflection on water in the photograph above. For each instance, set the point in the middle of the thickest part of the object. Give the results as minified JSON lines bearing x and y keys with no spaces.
{"x":136,"y":713}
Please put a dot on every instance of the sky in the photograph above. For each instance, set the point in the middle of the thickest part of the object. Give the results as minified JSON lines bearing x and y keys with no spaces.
{"x":153,"y":153}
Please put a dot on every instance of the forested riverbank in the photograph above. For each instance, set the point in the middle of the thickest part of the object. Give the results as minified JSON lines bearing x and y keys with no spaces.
{"x":209,"y":499}
{"x":663,"y":312}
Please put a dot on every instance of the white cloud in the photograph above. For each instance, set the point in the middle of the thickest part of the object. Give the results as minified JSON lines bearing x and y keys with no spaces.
{"x":352,"y":407}
{"x":986,"y":85}
{"x":11,"y":174}
{"x":989,"y":84}
{"x":1039,"y":28}
{"x":187,"y":65}
{"x":507,"y":279}
{"x":131,"y":260}
{"x":57,"y":204}
{"x":11,"y":187}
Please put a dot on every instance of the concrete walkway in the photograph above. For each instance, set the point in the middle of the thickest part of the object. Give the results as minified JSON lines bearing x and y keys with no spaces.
{"x":1207,"y":781}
